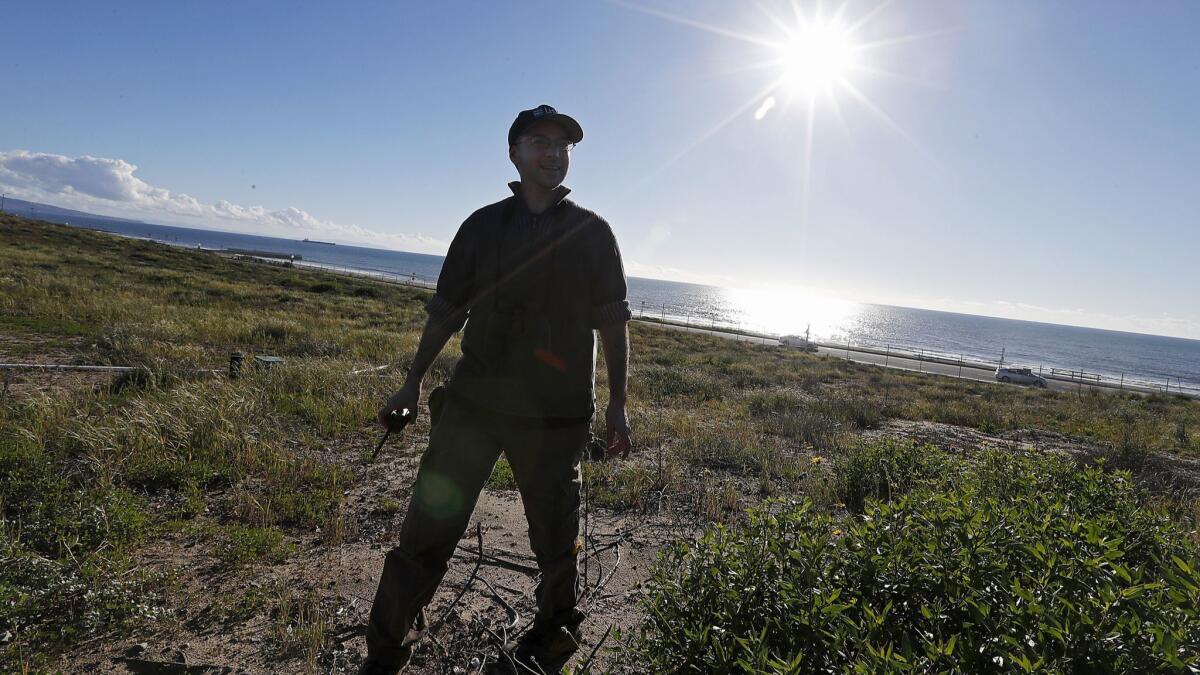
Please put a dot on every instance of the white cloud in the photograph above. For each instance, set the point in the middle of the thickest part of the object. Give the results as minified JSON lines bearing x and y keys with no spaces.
{"x":109,"y":187}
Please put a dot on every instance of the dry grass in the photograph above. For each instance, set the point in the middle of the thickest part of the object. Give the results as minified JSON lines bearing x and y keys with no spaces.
{"x":261,"y":461}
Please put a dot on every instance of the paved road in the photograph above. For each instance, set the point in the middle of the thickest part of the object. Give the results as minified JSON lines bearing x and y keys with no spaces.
{"x":967,"y":371}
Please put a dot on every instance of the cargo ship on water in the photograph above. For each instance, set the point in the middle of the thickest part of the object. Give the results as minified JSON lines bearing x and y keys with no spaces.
{"x":306,"y":240}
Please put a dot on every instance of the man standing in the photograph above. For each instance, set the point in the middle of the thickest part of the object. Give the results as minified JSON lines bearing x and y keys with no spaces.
{"x":535,"y":274}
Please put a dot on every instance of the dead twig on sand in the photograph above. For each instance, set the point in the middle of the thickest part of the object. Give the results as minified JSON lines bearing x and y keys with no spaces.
{"x":498,"y":561}
{"x":516,"y":616}
{"x":596,"y":550}
{"x":349,"y":633}
{"x":517,"y":667}
{"x":595,"y":592}
{"x":586,"y":666}
{"x":470,"y":581}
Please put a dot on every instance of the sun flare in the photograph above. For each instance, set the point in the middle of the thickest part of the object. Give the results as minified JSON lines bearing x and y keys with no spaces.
{"x":814,"y":59}
{"x":817,"y":56}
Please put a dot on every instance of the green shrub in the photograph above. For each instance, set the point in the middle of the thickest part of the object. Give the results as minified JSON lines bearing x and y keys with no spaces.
{"x":766,"y":403}
{"x":625,"y":487}
{"x":856,"y":410}
{"x":732,"y":447}
{"x":810,"y":426}
{"x":1053,"y":570}
{"x":502,"y":476}
{"x":816,"y":422}
{"x":241,"y":544}
{"x":271,"y":332}
{"x":884,"y":469}
{"x":53,"y":602}
{"x":661,"y":382}
{"x":55,"y":511}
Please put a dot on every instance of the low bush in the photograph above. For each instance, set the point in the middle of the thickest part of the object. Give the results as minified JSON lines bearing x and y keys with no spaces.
{"x":662,"y":382}
{"x":54,"y":510}
{"x":855,"y":410}
{"x":885,"y":469}
{"x":816,"y":422}
{"x":1017,"y":564}
{"x":623,"y":487}
{"x":242,"y":544}
{"x":734,"y":446}
{"x":56,"y":601}
{"x":502,"y":477}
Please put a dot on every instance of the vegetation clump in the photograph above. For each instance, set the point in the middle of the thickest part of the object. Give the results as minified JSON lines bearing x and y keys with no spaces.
{"x":1006,"y":563}
{"x":97,"y":475}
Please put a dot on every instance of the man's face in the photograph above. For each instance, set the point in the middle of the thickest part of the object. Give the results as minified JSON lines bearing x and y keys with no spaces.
{"x":545,"y":167}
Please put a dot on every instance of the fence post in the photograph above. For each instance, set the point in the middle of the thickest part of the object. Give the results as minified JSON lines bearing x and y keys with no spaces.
{"x":887,"y":356}
{"x":664,"y":313}
{"x":920,"y":360}
{"x":960,"y":366}
{"x":235,"y":364}
{"x":1122,"y":381}
{"x":847,"y":349}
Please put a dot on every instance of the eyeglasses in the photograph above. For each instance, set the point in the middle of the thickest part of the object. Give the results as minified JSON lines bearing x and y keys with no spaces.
{"x":543,"y":144}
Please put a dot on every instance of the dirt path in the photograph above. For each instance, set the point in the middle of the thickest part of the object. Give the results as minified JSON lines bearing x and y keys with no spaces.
{"x":230,"y":619}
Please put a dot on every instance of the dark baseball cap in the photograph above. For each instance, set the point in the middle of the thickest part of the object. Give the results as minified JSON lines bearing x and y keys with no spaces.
{"x":528,"y":118}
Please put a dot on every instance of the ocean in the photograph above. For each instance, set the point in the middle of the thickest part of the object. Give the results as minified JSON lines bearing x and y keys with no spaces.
{"x":1165,"y":363}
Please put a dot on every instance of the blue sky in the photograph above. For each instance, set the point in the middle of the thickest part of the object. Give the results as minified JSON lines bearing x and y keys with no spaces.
{"x":1037,"y":160}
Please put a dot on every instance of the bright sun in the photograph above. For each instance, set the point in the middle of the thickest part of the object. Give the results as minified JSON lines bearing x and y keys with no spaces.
{"x":817,"y":56}
{"x":813,"y":60}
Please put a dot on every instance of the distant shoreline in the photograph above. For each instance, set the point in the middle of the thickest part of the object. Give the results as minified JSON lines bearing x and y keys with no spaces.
{"x":904,"y":357}
{"x":1169,"y":361}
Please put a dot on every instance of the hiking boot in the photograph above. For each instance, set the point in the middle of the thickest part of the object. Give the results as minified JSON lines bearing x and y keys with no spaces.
{"x":548,"y":648}
{"x":374,"y":667}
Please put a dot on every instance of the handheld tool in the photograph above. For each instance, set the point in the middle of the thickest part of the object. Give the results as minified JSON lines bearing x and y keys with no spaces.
{"x":396,"y":421}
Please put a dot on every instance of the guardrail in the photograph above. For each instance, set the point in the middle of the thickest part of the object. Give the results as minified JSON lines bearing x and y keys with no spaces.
{"x":711,"y":320}
{"x":663,"y":313}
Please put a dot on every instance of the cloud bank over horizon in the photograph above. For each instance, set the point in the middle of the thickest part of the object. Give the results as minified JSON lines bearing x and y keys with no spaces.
{"x":109,"y":187}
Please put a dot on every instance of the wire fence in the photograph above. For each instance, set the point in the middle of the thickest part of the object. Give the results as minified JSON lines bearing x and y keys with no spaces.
{"x":894,"y":355}
{"x":903,"y":355}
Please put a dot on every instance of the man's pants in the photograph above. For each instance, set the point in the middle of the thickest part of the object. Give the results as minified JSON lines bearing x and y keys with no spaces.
{"x":463,"y":449}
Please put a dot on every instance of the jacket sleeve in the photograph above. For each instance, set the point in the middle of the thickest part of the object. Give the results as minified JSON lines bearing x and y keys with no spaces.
{"x":456,"y":283}
{"x":609,"y":288}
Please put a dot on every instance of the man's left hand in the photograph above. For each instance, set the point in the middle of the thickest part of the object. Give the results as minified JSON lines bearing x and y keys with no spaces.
{"x":617,"y":439}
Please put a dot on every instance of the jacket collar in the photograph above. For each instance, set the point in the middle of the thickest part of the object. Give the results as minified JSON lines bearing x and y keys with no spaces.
{"x":560,"y":193}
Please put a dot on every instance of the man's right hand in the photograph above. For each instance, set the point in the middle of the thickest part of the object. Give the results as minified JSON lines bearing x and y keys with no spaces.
{"x":406,"y":398}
